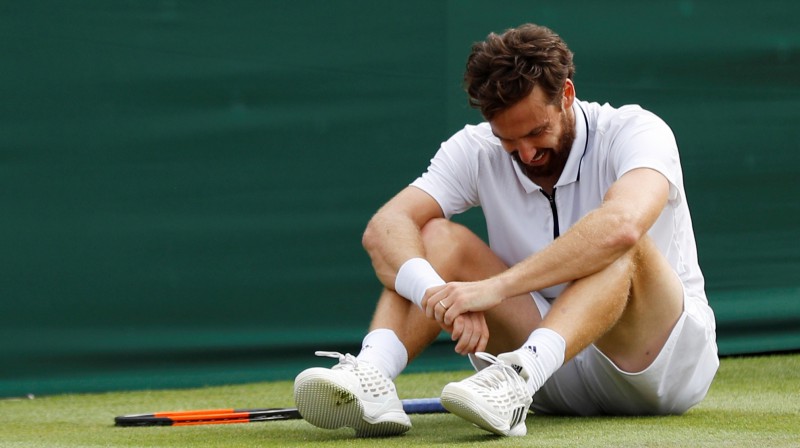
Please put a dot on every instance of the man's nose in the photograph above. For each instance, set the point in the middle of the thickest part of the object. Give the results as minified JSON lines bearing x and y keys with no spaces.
{"x":526,"y":151}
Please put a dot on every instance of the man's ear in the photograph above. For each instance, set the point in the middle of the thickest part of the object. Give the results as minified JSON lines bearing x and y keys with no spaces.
{"x":569,"y":95}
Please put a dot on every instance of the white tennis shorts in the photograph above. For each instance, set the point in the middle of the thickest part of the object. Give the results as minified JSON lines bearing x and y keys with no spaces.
{"x":679,"y":378}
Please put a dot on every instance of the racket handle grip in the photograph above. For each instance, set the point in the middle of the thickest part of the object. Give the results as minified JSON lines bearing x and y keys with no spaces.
{"x":423,"y":406}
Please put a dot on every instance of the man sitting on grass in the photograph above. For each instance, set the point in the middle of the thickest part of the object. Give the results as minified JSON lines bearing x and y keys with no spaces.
{"x":588,"y":298}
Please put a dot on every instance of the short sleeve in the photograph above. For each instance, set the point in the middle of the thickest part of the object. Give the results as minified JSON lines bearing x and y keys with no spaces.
{"x":646,"y":141}
{"x":451,"y":177}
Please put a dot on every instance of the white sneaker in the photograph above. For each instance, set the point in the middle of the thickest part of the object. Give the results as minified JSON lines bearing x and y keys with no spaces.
{"x":496,"y":399}
{"x":352,"y":393}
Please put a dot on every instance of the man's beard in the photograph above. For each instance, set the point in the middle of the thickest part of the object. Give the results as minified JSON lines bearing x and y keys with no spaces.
{"x":558,"y":155}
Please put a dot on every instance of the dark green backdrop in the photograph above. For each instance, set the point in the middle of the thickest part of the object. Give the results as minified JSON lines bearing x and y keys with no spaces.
{"x":184,"y":184}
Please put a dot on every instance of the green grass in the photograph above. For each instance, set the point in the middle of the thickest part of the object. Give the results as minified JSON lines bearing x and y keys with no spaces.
{"x":753,"y":402}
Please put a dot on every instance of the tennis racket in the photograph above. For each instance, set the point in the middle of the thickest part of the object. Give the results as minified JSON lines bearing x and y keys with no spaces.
{"x":223,"y":416}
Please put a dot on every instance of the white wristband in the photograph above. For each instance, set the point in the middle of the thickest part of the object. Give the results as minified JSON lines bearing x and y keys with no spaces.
{"x":414,"y":278}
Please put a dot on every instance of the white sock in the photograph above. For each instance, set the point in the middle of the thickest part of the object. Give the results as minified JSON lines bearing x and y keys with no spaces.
{"x":542,"y":354}
{"x":383,"y":349}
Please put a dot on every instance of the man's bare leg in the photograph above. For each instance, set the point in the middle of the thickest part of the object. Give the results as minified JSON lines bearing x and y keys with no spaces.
{"x":654,"y":307}
{"x":627,"y":310}
{"x":408,"y":322}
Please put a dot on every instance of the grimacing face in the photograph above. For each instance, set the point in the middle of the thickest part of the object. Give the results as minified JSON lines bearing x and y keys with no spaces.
{"x":538,"y":134}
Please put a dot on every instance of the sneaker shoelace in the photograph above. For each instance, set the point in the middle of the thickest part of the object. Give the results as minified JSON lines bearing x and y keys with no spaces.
{"x":498,"y":375}
{"x":346,"y":361}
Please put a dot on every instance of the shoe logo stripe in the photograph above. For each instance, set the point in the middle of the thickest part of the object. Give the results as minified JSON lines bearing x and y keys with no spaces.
{"x":517,"y":416}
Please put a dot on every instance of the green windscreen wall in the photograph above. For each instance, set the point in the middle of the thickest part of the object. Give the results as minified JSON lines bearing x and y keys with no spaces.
{"x":184,"y":184}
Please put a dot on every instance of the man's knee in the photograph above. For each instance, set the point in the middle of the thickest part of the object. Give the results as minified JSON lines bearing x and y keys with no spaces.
{"x":651,"y":272}
{"x":442,"y":241}
{"x":457,"y":253}
{"x":444,"y":236}
{"x":440,"y":231}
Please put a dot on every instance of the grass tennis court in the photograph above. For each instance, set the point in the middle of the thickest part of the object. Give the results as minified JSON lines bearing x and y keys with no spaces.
{"x":754,"y":402}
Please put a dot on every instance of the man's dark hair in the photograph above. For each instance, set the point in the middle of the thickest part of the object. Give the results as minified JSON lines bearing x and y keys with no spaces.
{"x":503,"y":69}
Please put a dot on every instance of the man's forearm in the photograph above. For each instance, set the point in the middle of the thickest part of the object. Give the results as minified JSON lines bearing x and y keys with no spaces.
{"x":630,"y":207}
{"x":591,"y":245}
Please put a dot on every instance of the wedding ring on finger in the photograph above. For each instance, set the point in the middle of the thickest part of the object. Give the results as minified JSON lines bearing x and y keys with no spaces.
{"x":442,"y":304}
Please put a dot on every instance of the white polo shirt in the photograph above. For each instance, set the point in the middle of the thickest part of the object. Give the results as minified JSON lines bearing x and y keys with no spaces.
{"x":472,"y":169}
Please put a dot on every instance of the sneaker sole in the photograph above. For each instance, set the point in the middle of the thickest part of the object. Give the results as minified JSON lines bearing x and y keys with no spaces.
{"x":327,"y":405}
{"x":460,"y":406}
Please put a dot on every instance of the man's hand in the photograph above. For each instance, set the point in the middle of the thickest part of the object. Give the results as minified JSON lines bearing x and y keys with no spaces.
{"x":447,"y":302}
{"x":458,"y":307}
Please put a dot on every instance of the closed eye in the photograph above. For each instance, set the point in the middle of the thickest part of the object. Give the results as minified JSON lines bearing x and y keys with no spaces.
{"x":537,"y":131}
